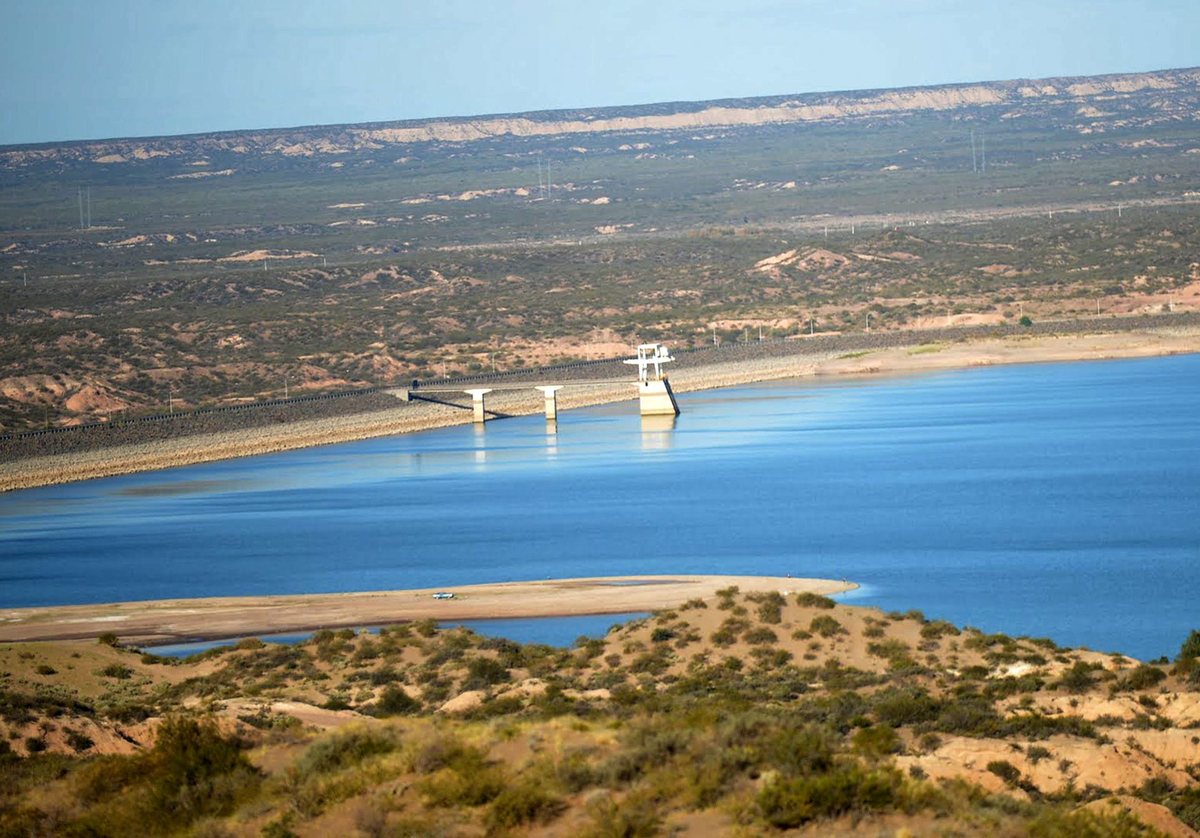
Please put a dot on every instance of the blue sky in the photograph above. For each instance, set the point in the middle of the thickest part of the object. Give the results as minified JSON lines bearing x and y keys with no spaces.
{"x":73,"y":69}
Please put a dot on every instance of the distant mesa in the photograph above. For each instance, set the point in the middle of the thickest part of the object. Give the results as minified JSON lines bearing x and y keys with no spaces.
{"x":1089,"y":98}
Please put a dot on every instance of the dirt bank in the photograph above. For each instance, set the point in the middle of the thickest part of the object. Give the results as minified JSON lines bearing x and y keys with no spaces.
{"x":916,"y":357}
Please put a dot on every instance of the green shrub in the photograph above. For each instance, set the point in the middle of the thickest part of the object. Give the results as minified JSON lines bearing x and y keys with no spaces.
{"x":394,"y":701}
{"x":634,"y":817}
{"x":968,"y":716}
{"x":900,"y":707}
{"x":1079,"y":677}
{"x":1036,"y":753}
{"x":889,"y":648}
{"x":759,"y":636}
{"x":108,"y":638}
{"x":791,"y":802}
{"x":426,"y":628}
{"x":79,"y":742}
{"x":345,"y":749}
{"x":808,"y":749}
{"x":526,"y":802}
{"x":826,"y":626}
{"x":1143,"y":677}
{"x":811,"y":600}
{"x":770,"y":607}
{"x":467,"y":780}
{"x":1005,"y":770}
{"x":193,"y":771}
{"x":1190,"y":647}
{"x":876,"y":741}
{"x":485,"y":672}
{"x":116,"y":670}
{"x":45,"y":669}
{"x":937,"y":628}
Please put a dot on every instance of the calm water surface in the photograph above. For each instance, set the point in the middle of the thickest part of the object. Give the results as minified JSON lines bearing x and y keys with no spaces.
{"x":1058,"y":499}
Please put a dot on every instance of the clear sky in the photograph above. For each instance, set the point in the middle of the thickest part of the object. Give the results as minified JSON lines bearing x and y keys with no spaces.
{"x":73,"y":69}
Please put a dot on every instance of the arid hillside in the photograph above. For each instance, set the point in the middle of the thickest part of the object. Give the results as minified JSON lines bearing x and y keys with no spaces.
{"x":149,"y":274}
{"x":749,"y":713}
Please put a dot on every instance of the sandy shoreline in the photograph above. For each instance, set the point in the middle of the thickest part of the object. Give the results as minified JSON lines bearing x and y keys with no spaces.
{"x":915,"y":358}
{"x":174,"y":620}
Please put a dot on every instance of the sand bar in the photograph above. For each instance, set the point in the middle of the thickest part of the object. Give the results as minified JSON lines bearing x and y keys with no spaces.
{"x":176,"y":620}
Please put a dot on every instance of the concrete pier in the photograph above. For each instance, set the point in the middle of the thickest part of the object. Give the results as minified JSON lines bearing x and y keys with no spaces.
{"x":550,"y":391}
{"x":656,"y":398}
{"x":477,"y":402}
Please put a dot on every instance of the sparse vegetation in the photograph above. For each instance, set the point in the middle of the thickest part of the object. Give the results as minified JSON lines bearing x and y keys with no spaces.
{"x":788,"y":728}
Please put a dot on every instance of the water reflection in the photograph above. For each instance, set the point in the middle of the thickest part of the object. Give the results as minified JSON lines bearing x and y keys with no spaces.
{"x":658,"y":432}
{"x":551,"y":438}
{"x":480,"y":438}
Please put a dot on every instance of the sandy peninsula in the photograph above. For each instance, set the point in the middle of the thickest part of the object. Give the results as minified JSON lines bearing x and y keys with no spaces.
{"x":165,"y":621}
{"x":918,"y":357}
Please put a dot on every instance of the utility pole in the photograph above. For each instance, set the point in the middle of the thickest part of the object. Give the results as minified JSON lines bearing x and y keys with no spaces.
{"x":81,"y":208}
{"x":974,"y":166}
{"x":285,"y":387}
{"x":868,"y":322}
{"x":812,"y":327}
{"x":714,"y":328}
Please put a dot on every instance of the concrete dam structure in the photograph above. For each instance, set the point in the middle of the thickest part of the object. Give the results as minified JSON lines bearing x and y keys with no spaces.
{"x":655,"y":397}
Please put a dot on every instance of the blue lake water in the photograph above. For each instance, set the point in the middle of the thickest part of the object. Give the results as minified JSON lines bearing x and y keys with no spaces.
{"x":552,"y":631}
{"x":1059,"y":500}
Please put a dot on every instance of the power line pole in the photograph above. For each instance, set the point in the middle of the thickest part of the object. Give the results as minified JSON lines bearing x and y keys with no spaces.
{"x":974,"y":166}
{"x":81,"y":208}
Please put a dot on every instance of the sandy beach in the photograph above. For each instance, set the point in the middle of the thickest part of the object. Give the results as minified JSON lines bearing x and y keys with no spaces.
{"x":915,"y":358}
{"x":164,"y":621}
